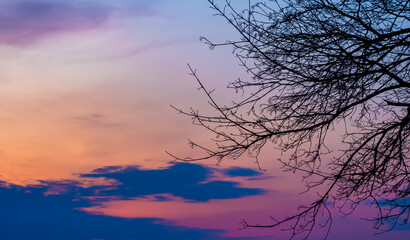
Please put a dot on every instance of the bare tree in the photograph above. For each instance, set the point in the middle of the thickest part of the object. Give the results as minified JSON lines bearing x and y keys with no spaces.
{"x":318,"y":66}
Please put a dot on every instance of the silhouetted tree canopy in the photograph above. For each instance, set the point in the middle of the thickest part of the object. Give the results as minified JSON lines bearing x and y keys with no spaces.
{"x":320,"y":68}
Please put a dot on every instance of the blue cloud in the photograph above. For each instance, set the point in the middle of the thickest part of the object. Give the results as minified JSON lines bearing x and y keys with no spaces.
{"x":26,"y":213}
{"x":183,"y":180}
{"x":51,"y":209}
{"x":242,"y":172}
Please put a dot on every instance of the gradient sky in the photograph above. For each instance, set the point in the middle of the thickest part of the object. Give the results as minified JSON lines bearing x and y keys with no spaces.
{"x":86,"y":120}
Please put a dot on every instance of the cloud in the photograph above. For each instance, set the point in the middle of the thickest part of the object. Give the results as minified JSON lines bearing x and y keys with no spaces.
{"x":182,"y":180}
{"x":242,"y":172}
{"x":29,"y":214}
{"x":24,"y":22}
{"x":58,"y":209}
{"x":94,"y":120}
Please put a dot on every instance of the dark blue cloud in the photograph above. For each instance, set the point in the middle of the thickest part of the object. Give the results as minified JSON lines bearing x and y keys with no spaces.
{"x":398,"y":205}
{"x":26,"y":213}
{"x":51,"y":209}
{"x":183,"y":179}
{"x":242,"y":172}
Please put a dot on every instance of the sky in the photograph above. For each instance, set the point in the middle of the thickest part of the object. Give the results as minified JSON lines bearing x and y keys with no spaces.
{"x":86,"y":89}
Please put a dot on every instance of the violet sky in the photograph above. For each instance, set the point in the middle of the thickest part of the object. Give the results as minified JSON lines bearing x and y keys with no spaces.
{"x":86,"y":119}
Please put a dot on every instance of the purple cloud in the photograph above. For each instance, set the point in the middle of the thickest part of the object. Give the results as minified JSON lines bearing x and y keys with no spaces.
{"x":26,"y":22}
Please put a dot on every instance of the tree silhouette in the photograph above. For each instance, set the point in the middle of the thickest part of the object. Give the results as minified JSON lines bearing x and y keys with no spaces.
{"x":321,"y":67}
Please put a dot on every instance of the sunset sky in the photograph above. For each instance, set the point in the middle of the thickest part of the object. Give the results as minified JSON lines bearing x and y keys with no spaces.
{"x":86,"y":119}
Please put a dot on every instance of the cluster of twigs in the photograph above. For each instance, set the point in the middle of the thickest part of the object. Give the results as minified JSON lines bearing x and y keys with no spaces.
{"x":316,"y":66}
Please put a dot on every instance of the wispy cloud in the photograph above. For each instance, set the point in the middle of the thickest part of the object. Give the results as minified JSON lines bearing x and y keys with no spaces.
{"x":25,"y":22}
